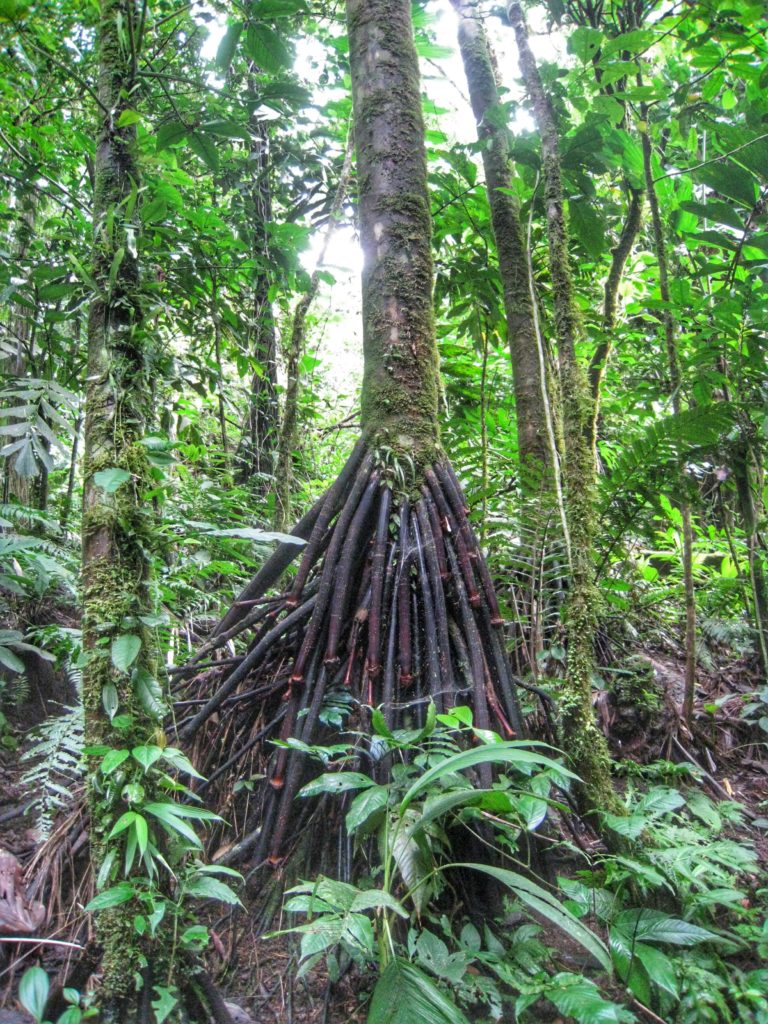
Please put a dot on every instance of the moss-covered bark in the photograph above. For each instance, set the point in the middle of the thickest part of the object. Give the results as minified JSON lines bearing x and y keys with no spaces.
{"x":583,"y":741}
{"x":528,"y":366}
{"x":400,"y":383}
{"x":116,"y":525}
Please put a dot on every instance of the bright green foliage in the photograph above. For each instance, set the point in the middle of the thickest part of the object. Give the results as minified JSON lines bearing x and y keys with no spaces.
{"x":274,"y":76}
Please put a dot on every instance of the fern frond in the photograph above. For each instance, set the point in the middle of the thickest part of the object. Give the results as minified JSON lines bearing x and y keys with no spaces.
{"x":664,"y":444}
{"x":58,"y":766}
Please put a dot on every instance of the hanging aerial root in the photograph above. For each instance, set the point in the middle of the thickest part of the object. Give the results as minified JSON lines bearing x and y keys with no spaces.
{"x":392,"y":605}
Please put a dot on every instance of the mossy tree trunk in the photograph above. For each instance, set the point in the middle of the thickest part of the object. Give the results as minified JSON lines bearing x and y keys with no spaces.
{"x":536,"y":431}
{"x":122,"y":703}
{"x":585,"y":744}
{"x":116,"y":521}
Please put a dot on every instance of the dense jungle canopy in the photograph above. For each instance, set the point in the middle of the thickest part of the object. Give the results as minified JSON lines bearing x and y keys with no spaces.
{"x":383,"y":538}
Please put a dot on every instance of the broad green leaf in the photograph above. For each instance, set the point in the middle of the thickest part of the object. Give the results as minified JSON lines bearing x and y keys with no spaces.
{"x":580,"y":999}
{"x":660,"y":968}
{"x":373,"y":899}
{"x":584,"y":42}
{"x":149,"y":692}
{"x":110,"y":479}
{"x":125,"y":650}
{"x":128,"y":117}
{"x":109,"y":699}
{"x":406,"y":995}
{"x":278,"y":8}
{"x":227,"y":47}
{"x":548,"y":906}
{"x":729,"y":179}
{"x":643,"y":925}
{"x":587,"y":226}
{"x":111,"y":897}
{"x":267,"y":49}
{"x":112,"y":760}
{"x":147,"y":755}
{"x":213,"y":889}
{"x":11,"y":661}
{"x":170,"y":133}
{"x":367,"y":809}
{"x":336,"y":782}
{"x":33,"y":991}
{"x":511,"y":752}
{"x":205,"y":148}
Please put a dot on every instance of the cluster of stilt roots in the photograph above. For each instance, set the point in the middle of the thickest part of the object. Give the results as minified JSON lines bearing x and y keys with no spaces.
{"x":392,"y":606}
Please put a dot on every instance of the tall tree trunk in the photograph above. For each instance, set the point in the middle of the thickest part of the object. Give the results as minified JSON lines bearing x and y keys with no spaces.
{"x":400,"y":378}
{"x":675,"y":387}
{"x":116,"y":525}
{"x":585,"y":744}
{"x":536,"y":434}
{"x":392,"y":598}
{"x":121,"y":698}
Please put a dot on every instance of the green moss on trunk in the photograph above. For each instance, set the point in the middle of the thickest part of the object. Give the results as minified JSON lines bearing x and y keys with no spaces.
{"x":585,"y":744}
{"x":116,"y":525}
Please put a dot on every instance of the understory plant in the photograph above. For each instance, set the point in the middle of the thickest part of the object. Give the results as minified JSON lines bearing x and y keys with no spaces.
{"x":648,"y":920}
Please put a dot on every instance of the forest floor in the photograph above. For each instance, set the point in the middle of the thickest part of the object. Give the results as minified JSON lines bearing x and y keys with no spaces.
{"x":259,"y":975}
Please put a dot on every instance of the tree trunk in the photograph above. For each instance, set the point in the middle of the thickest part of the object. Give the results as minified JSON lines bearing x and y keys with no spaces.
{"x":535,"y":432}
{"x":400,"y":379}
{"x":122,"y":709}
{"x":392,"y":598}
{"x":255,"y":456}
{"x":115,"y":576}
{"x":585,"y":744}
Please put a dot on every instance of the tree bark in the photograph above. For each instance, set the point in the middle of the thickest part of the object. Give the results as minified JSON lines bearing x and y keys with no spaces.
{"x":528,"y":363}
{"x":116,"y":523}
{"x":400,"y":380}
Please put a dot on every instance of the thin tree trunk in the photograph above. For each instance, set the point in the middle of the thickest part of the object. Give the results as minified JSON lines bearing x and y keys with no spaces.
{"x":536,"y":456}
{"x":66,"y":509}
{"x":620,"y":255}
{"x":675,"y":385}
{"x":255,"y":456}
{"x":584,"y":742}
{"x":287,"y":441}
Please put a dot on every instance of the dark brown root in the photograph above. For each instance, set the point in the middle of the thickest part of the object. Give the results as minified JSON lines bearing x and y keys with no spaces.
{"x":390,"y":607}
